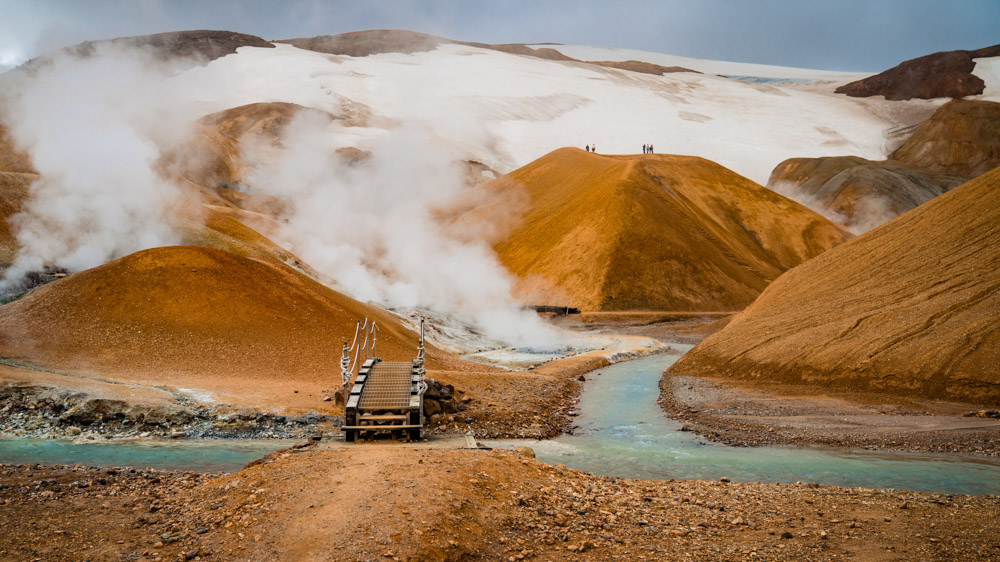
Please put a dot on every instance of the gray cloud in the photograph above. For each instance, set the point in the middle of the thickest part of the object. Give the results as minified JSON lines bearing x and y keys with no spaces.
{"x":858,"y":35}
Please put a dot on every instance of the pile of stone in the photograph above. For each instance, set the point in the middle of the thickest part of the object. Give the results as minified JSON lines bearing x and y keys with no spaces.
{"x":440,"y":399}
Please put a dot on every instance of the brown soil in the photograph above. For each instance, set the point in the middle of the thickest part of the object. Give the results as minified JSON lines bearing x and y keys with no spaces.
{"x":667,"y":327}
{"x":959,"y":142}
{"x":909,"y":308}
{"x":13,"y":159}
{"x":858,"y":193}
{"x":511,"y":404}
{"x":194,"y":46}
{"x":396,"y":503}
{"x":16,"y":174}
{"x":369,"y":42}
{"x":194,"y":317}
{"x":225,"y":228}
{"x":751,"y":415}
{"x":13,"y":193}
{"x":645,"y":232}
{"x":643,"y":67}
{"x":214,"y":158}
{"x":378,"y":41}
{"x":940,"y":75}
{"x":962,"y":138}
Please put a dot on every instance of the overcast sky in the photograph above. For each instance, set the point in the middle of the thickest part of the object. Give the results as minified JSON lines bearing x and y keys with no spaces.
{"x":854,"y":35}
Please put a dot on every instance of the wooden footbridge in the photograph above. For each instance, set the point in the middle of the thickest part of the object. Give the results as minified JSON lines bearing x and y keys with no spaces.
{"x":557,"y":309}
{"x":386,"y":396}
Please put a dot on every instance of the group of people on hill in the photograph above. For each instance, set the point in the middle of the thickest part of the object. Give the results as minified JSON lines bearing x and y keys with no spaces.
{"x":646,"y":148}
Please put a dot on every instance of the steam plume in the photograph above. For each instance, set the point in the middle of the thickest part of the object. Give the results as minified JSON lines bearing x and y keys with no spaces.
{"x":371,"y":226}
{"x":92,"y":127}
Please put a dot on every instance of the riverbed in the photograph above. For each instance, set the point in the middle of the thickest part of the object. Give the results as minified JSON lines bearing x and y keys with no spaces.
{"x":623,"y":432}
{"x":198,"y":455}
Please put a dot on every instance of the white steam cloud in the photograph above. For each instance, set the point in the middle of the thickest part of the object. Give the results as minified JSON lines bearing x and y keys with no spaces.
{"x":97,"y":127}
{"x":371,"y":226}
{"x":869,"y":212}
{"x":93,"y":127}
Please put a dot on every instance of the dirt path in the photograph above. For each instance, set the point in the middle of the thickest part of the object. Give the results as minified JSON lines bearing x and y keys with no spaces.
{"x":375,"y":502}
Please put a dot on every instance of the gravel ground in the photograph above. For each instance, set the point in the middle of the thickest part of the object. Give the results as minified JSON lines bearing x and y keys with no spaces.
{"x":744,"y":416}
{"x":391,"y":503}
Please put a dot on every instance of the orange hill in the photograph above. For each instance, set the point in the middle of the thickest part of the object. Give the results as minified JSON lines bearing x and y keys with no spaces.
{"x":910,"y":308}
{"x":654,"y":232}
{"x":198,"y":318}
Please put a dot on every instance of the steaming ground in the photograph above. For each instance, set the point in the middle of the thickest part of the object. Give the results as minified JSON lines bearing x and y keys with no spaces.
{"x":94,"y":129}
{"x":104,"y":132}
{"x":523,"y":107}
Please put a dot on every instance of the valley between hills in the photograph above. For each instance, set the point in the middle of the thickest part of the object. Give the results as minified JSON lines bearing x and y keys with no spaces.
{"x":802,"y":279}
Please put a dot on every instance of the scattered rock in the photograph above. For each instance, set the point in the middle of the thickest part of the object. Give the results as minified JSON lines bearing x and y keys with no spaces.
{"x":524,"y":451}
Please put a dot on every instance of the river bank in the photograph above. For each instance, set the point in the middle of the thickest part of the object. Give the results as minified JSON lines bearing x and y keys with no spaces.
{"x":769,"y":414}
{"x":488,"y":401}
{"x":40,"y":411}
{"x":466,"y":504}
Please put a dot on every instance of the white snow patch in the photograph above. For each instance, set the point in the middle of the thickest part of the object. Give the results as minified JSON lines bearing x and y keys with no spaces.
{"x":722,"y":68}
{"x":518,"y":108}
{"x":989,"y":70}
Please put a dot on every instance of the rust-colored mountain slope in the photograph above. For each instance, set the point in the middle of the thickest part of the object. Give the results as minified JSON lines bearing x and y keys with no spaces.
{"x":655,"y":232}
{"x":213,"y":158}
{"x":962,"y":138}
{"x":855,"y":193}
{"x":959,"y":142}
{"x":16,"y":175}
{"x":911,"y":308}
{"x":195,"y":317}
{"x":946,"y":74}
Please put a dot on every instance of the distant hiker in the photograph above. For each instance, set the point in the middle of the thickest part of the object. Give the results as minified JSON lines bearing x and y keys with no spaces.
{"x":587,"y":148}
{"x":593,"y":148}
{"x":650,"y":149}
{"x":643,"y":149}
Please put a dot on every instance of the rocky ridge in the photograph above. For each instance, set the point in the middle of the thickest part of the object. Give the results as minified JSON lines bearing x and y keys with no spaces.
{"x":947,"y":74}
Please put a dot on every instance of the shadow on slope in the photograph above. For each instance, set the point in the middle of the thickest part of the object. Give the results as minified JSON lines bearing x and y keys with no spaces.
{"x":909,"y":308}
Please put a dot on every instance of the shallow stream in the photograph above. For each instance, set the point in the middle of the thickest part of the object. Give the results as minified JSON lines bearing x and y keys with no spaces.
{"x":624,"y":432}
{"x":199,"y":455}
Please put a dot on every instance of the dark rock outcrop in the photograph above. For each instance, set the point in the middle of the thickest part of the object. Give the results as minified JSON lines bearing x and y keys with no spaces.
{"x":198,"y":45}
{"x":946,"y":74}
